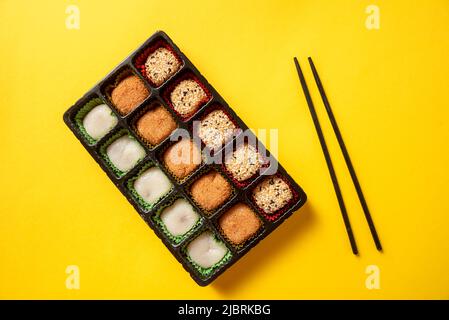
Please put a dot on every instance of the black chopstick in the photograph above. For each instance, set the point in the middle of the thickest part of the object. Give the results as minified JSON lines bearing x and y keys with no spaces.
{"x":348,"y":161}
{"x":330,"y":166}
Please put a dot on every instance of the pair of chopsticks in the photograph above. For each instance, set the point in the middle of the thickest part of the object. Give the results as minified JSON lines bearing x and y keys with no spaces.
{"x":330,"y":166}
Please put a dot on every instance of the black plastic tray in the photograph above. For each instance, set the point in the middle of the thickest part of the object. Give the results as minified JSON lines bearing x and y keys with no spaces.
{"x":209,"y":221}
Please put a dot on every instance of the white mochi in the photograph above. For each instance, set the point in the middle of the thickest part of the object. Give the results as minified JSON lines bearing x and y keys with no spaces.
{"x":206,"y":251}
{"x":180,"y":217}
{"x":125,"y":152}
{"x":152,"y":184}
{"x":99,"y":121}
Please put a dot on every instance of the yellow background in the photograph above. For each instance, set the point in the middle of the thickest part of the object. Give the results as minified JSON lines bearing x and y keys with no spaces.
{"x":389,"y":91}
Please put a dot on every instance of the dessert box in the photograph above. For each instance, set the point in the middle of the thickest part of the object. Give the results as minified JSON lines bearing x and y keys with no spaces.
{"x":183,"y":158}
